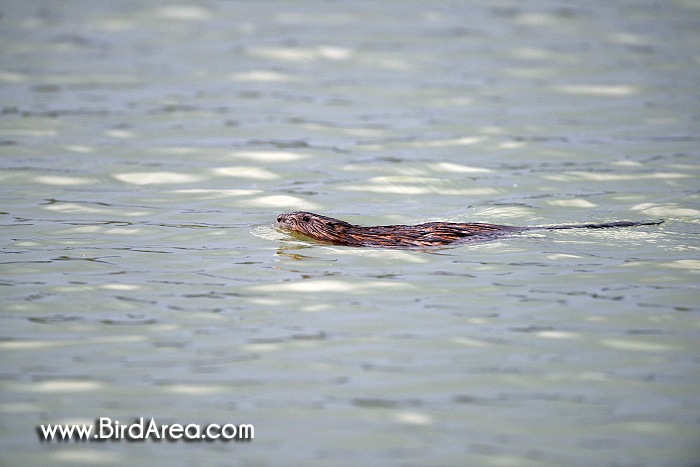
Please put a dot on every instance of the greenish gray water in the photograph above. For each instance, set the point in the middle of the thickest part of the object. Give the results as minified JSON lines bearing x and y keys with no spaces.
{"x":146,"y":149}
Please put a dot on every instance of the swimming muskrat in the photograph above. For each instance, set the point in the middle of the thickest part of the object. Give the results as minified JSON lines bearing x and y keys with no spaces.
{"x":430,"y":234}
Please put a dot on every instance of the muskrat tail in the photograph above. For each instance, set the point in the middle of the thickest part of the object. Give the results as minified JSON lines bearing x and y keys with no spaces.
{"x":604,"y":225}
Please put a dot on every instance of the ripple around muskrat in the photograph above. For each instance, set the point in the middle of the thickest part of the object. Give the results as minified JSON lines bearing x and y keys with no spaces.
{"x":430,"y":234}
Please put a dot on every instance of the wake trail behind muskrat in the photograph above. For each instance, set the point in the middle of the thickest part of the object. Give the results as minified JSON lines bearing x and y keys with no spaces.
{"x":603,"y":225}
{"x":429,"y":234}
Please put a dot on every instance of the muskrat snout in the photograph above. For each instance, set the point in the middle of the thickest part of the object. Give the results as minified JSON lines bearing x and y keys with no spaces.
{"x":285,"y":219}
{"x":295,"y":218}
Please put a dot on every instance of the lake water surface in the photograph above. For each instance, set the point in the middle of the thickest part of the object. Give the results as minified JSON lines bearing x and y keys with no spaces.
{"x":146,"y":149}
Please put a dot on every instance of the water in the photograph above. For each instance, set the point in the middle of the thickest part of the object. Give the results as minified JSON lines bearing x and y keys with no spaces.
{"x":147,"y":149}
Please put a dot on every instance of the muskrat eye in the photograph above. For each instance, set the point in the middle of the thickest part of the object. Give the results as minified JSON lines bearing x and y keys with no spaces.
{"x":306,"y":218}
{"x":279,"y":218}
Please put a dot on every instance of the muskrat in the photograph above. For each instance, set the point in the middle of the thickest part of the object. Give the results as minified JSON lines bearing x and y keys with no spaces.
{"x":430,"y":234}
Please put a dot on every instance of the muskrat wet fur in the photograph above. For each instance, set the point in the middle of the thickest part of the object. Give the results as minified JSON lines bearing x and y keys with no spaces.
{"x":429,"y":234}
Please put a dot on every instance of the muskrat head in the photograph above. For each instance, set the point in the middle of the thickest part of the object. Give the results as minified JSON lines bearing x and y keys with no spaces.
{"x":313,"y":225}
